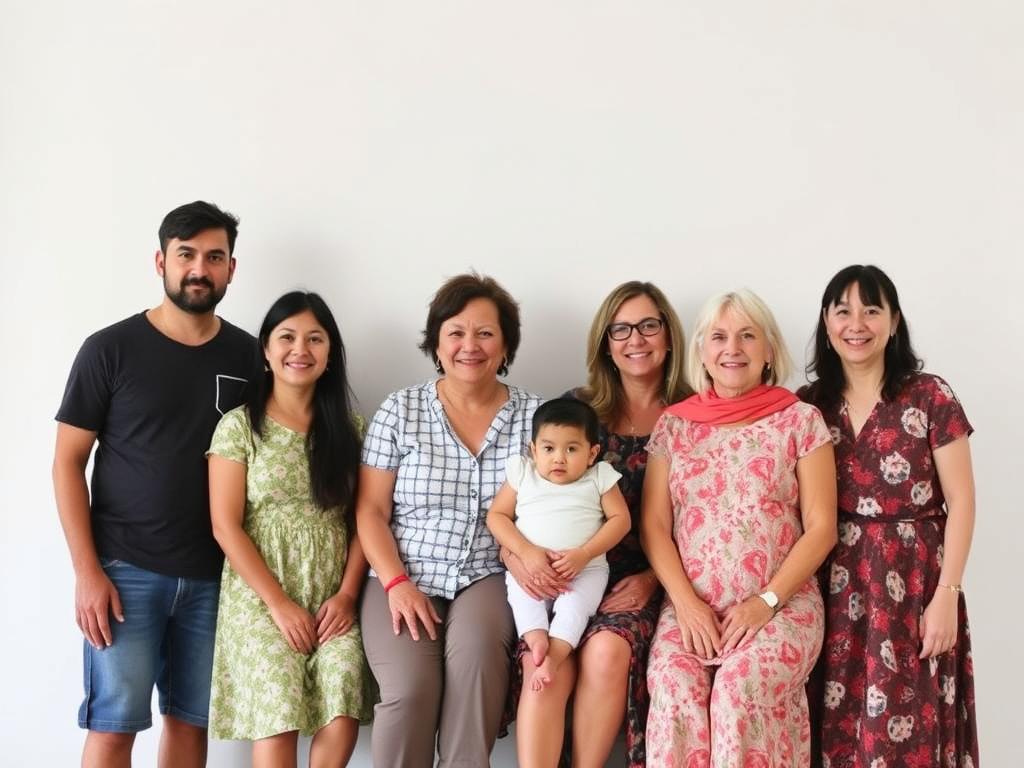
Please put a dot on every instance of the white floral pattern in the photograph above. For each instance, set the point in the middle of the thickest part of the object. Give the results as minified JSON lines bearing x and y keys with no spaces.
{"x":856,"y":606}
{"x":895,"y":586}
{"x":868,"y":507}
{"x":900,"y":727}
{"x":906,"y":532}
{"x":921,"y":492}
{"x":838,"y":579}
{"x":849,"y":533}
{"x":876,"y":702}
{"x":915,"y":422}
{"x":834,"y":692}
{"x":888,"y":655}
{"x":895,"y":469}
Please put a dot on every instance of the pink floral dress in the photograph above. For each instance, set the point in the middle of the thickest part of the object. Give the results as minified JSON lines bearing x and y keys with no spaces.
{"x":736,"y":515}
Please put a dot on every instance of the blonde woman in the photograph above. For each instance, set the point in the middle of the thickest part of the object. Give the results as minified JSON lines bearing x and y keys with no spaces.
{"x":739,"y":511}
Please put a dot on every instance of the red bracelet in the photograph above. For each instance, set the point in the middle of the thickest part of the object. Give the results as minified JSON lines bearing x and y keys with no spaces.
{"x":399,"y":579}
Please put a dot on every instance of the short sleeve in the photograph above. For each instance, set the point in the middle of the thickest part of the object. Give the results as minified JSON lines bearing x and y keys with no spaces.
{"x":232,"y":439}
{"x":606,"y":476}
{"x":658,"y":442}
{"x":813,"y":432}
{"x":946,"y":418}
{"x":515,"y":469}
{"x":89,"y":388}
{"x":380,"y":446}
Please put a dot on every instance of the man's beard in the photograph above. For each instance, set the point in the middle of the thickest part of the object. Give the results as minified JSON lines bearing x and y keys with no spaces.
{"x":196,"y":304}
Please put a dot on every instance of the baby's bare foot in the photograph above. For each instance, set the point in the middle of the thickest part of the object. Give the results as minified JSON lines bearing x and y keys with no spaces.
{"x":542,"y":676}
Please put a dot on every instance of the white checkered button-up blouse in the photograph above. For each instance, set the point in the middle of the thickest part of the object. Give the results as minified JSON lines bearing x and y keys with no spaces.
{"x":443,"y":492}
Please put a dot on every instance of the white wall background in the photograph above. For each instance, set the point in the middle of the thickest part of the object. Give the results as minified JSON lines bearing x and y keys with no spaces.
{"x":373,"y":149}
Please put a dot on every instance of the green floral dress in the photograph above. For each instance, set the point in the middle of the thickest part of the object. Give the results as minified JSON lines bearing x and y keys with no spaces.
{"x":261,"y":687}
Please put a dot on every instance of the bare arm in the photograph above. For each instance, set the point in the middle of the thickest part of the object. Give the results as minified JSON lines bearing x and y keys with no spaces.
{"x":698,"y":624}
{"x":227,"y":512}
{"x":616,"y":523}
{"x":373,"y":518}
{"x":816,"y":475}
{"x":939,"y":623}
{"x":956,"y":476}
{"x":355,"y":569}
{"x":95,"y":595}
{"x":501,"y":522}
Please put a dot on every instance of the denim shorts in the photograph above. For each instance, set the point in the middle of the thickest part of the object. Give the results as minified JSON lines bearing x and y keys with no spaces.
{"x":166,"y":639}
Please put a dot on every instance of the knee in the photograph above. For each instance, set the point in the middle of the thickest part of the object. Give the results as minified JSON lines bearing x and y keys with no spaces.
{"x":605,"y":658}
{"x":104,"y":748}
{"x":181,"y":733}
{"x":735,"y":693}
{"x":418,"y":693}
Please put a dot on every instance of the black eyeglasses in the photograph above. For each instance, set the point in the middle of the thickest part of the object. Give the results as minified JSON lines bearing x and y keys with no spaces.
{"x":649,"y":326}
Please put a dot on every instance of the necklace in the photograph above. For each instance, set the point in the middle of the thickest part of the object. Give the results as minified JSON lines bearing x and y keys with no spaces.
{"x":660,"y":404}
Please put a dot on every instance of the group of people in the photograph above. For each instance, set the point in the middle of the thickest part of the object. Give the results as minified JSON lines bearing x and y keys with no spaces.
{"x":737,"y":574}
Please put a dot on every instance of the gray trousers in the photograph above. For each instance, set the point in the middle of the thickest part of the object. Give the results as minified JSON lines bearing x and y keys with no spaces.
{"x":451,"y":690}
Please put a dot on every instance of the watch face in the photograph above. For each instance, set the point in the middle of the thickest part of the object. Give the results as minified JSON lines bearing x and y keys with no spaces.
{"x":771,"y":598}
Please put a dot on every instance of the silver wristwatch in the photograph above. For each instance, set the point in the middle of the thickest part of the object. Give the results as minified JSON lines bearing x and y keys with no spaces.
{"x":771,"y":599}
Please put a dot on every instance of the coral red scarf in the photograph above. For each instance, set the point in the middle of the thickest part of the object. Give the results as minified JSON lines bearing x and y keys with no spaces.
{"x":708,"y":408}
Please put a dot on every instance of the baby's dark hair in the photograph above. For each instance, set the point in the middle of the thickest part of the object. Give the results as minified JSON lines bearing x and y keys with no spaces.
{"x":567,"y":412}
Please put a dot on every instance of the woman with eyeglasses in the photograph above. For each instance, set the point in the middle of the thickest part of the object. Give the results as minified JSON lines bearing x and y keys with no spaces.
{"x":635,"y":367}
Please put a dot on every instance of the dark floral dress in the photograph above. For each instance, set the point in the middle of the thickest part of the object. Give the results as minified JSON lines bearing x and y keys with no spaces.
{"x":628,"y":455}
{"x":882,"y":707}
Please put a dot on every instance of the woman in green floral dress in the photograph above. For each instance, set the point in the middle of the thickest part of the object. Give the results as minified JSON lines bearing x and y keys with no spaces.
{"x":289,"y":655}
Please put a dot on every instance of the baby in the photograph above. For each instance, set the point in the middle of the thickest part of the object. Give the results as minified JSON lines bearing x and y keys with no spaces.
{"x":567,"y":513}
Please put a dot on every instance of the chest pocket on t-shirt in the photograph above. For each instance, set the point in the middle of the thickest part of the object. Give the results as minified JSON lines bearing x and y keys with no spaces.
{"x":230,"y":392}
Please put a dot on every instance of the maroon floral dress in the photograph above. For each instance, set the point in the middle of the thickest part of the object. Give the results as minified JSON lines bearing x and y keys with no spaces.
{"x":881,"y":706}
{"x":628,"y":455}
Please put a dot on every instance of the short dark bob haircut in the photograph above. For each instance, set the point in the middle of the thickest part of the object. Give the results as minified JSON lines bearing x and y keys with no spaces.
{"x":187,"y":221}
{"x":826,"y":369}
{"x":452,"y":297}
{"x":567,"y":412}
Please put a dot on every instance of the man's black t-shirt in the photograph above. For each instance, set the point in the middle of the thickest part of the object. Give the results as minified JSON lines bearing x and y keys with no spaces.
{"x":155,"y":403}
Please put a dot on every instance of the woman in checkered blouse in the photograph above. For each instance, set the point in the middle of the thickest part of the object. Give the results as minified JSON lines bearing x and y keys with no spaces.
{"x":436,"y":624}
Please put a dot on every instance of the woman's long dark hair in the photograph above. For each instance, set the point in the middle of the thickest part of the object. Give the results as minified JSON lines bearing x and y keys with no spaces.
{"x":332,"y":443}
{"x":829,"y":381}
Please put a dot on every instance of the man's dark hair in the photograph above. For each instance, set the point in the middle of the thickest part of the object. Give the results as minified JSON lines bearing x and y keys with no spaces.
{"x":567,"y":412}
{"x":187,"y":221}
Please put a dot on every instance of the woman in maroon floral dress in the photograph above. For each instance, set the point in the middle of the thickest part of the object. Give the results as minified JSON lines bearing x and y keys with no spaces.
{"x":633,"y":372}
{"x":896,"y":683}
